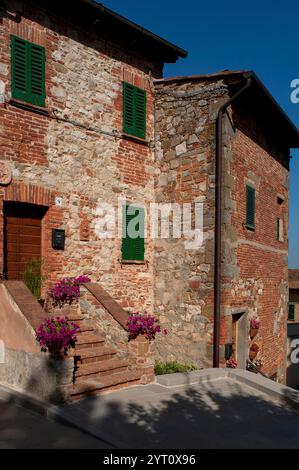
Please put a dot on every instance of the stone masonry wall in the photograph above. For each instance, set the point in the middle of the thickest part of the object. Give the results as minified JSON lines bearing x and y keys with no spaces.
{"x":76,"y":151}
{"x":254,"y":264}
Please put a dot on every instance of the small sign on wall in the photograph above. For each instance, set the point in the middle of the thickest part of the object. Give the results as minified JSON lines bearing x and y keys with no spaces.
{"x":58,"y":201}
{"x":58,"y":239}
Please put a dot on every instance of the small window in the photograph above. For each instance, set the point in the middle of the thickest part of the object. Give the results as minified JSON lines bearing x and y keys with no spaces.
{"x":134,"y":111}
{"x":250,"y":207}
{"x":133,"y":234}
{"x":291,"y":314}
{"x":27,"y":71}
{"x":279,"y":229}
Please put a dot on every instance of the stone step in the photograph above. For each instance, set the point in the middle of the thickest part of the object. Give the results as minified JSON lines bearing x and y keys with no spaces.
{"x":100,"y":368}
{"x":92,"y":387}
{"x":76,"y":317}
{"x":90,"y":355}
{"x":88,"y":340}
{"x":85,"y":326}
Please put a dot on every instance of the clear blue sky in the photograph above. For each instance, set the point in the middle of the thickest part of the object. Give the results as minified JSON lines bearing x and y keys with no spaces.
{"x":257,"y":35}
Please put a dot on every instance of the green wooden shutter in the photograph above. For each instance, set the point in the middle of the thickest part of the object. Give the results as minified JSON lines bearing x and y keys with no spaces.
{"x":132,"y":248}
{"x":250,"y":207}
{"x":37,"y":74}
{"x":128,"y":108}
{"x":28,"y":71}
{"x":134,"y":110}
{"x":19,"y":68}
{"x":140,"y":113}
{"x":291,"y":315}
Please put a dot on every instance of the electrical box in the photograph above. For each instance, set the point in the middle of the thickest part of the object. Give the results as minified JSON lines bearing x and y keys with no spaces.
{"x":58,"y":239}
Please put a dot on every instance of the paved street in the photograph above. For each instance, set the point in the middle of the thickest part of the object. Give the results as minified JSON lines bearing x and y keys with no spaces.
{"x":23,"y":429}
{"x":218,"y":413}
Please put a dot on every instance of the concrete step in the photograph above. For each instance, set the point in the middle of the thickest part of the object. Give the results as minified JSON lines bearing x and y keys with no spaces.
{"x":89,"y":355}
{"x":93,"y":387}
{"x":100,"y":369}
{"x":88,"y":340}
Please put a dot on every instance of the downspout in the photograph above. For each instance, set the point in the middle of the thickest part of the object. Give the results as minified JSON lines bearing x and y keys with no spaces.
{"x":218,"y":218}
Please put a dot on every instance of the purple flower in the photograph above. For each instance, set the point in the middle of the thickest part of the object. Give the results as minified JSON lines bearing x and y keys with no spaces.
{"x":145,"y":325}
{"x":56,"y":334}
{"x":67,"y":290}
{"x":255,"y":323}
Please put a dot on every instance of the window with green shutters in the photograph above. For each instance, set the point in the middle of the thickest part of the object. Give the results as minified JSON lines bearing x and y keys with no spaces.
{"x":27,"y":71}
{"x":134,"y":110}
{"x":250,"y":207}
{"x":133,"y":241}
{"x":291,"y":315}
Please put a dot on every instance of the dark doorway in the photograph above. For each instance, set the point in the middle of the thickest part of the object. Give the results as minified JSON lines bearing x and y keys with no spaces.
{"x":240,"y":338}
{"x":22,"y":237}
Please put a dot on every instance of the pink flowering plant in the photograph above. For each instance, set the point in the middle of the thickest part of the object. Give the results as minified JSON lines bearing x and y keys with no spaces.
{"x":255,"y":323}
{"x":57,"y":334}
{"x":67,"y":290}
{"x":231,"y":363}
{"x":145,"y":325}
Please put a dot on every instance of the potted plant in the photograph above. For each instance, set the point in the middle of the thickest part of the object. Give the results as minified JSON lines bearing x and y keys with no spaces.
{"x":231,"y":363}
{"x":57,"y":335}
{"x":258,"y":364}
{"x":145,"y":325}
{"x":67,"y":290}
{"x":253,"y":351}
{"x":254,"y":327}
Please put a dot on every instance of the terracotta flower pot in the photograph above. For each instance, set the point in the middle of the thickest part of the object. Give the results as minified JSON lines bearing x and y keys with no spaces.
{"x":252,"y":354}
{"x":253,"y":332}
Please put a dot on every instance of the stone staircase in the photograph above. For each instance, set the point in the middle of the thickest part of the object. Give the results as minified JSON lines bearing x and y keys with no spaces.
{"x":98,"y":366}
{"x":102,"y":360}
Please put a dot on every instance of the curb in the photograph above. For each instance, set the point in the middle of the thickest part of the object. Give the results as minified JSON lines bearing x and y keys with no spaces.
{"x":280,"y":392}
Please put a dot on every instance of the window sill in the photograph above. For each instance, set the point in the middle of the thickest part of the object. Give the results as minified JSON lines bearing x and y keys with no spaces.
{"x":135,"y":139}
{"x":250,"y":228}
{"x":29,"y":107}
{"x":128,"y":261}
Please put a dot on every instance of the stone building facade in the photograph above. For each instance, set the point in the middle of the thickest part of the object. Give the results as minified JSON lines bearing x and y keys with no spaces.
{"x":72,"y":156}
{"x":254,"y":273}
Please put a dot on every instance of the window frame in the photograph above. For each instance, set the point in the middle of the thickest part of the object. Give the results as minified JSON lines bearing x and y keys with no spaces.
{"x":291,"y":304}
{"x":28,"y":96}
{"x":137,"y":127}
{"x":250,"y":189}
{"x":132,"y":257}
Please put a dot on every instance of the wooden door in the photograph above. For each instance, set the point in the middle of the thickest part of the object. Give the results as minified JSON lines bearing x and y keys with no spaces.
{"x":22,"y":237}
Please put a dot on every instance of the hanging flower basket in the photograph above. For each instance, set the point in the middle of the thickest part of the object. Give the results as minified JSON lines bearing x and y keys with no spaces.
{"x":253,"y":332}
{"x":254,"y":349}
{"x":254,"y":327}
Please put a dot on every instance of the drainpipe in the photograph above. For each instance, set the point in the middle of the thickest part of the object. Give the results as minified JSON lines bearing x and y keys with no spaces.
{"x":218,"y":218}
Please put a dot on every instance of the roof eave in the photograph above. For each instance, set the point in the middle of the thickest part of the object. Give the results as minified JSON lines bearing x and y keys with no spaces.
{"x":172,"y":52}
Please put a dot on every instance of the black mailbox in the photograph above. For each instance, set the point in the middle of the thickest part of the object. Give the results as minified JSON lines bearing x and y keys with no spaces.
{"x":58,"y":239}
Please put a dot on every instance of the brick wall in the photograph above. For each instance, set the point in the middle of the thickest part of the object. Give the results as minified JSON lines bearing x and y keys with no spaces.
{"x":255,"y":274}
{"x":254,"y":264}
